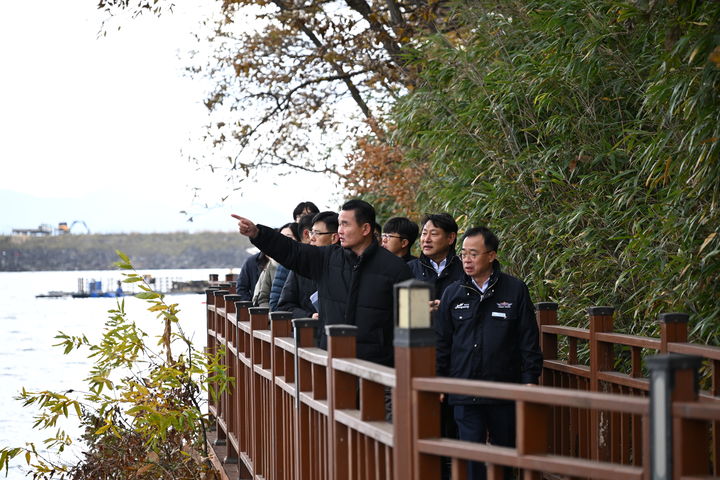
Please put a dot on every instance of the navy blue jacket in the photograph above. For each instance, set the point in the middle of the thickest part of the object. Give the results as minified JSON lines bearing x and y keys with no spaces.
{"x":353,"y":290}
{"x":491,"y":336}
{"x":278,"y":283}
{"x":249,"y":275}
{"x":423,"y":270}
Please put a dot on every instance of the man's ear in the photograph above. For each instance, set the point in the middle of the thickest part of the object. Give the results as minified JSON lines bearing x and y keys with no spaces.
{"x":306,"y":234}
{"x":404,"y":243}
{"x":335,"y":237}
{"x":366,"y":229}
{"x":452,"y":236}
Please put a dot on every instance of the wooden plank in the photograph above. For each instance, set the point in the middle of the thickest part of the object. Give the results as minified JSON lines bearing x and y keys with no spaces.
{"x":573,"y":467}
{"x":536,"y":394}
{"x":366,"y":370}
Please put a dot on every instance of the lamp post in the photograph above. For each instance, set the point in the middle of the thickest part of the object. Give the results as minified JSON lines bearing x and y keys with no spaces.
{"x":414,"y":357}
{"x":668,"y":375}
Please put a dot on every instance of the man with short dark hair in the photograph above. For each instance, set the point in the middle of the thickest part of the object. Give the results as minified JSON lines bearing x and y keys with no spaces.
{"x":324,"y":229}
{"x":438,"y":264}
{"x":486,"y":330}
{"x":304,"y":208}
{"x":355,"y":282}
{"x":399,"y":235}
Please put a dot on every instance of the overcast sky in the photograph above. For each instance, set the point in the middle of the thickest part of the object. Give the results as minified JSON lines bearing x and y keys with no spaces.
{"x":91,"y":129}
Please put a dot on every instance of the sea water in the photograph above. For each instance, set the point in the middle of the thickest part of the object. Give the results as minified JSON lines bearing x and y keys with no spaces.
{"x":29,"y":325}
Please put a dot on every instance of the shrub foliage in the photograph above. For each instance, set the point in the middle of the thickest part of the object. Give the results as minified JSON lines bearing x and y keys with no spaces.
{"x":587,"y":134}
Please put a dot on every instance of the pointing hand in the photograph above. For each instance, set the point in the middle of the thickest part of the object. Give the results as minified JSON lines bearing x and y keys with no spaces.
{"x":245,"y":226}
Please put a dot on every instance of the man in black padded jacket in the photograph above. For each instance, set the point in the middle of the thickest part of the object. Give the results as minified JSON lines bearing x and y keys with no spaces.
{"x":355,"y":280}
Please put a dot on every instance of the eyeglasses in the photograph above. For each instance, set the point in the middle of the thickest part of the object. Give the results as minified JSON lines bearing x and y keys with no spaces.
{"x":472,"y":255}
{"x":387,"y":235}
{"x":315,"y":233}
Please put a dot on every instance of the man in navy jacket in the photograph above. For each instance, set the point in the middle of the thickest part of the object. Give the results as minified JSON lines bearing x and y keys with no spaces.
{"x":486,"y":330}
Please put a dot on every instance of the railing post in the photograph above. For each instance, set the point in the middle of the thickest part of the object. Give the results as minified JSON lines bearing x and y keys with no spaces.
{"x":342,"y":392}
{"x":231,"y":392}
{"x":677,"y":445}
{"x":243,"y":419}
{"x":211,"y":348}
{"x":282,"y":446}
{"x":601,"y":359}
{"x":415,"y":415}
{"x":673,"y":328}
{"x":304,"y":334}
{"x":220,"y":342}
{"x":258,"y":321}
{"x":546,"y":314}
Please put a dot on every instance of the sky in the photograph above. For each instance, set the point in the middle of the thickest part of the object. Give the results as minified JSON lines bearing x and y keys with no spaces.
{"x":92,"y":129}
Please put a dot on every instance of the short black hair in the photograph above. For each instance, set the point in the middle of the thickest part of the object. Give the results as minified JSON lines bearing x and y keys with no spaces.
{"x":305,"y":206}
{"x":444,"y":221}
{"x":364,"y":212}
{"x":305,"y":223}
{"x":489,"y":238}
{"x":293,"y":226}
{"x":330,"y":219}
{"x":404,"y":227}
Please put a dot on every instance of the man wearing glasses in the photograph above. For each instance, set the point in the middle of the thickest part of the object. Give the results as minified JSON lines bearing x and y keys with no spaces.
{"x":486,"y":330}
{"x":399,"y":235}
{"x":298,"y":293}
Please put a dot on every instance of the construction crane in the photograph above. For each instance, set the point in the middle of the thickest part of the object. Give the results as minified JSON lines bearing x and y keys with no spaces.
{"x":63,"y":226}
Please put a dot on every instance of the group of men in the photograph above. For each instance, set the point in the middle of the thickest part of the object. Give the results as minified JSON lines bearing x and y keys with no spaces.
{"x":484,"y":318}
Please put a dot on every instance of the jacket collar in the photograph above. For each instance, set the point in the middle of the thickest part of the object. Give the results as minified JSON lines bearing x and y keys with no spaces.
{"x":368,"y":253}
{"x":491,"y":281}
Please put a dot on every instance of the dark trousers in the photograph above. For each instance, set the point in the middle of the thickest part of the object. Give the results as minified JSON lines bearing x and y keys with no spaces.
{"x":491,"y":423}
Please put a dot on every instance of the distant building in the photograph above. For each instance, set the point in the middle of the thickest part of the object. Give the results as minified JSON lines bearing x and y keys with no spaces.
{"x":41,"y":231}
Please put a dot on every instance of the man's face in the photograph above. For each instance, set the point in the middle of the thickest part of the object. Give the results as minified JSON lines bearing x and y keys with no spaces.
{"x":435,"y":242}
{"x":476,"y":259}
{"x":394,"y":242}
{"x":320,"y":235}
{"x":351,"y":234}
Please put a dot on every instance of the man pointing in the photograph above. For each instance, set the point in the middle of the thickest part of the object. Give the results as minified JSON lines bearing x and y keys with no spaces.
{"x":355,"y":280}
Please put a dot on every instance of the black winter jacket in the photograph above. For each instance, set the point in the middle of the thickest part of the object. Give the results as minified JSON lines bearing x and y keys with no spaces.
{"x":249,"y":275}
{"x":295,"y":296}
{"x":353,"y":290}
{"x":491,"y":336}
{"x":423,"y":270}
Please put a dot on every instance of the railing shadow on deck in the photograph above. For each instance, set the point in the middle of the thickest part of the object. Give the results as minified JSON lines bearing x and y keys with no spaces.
{"x":299,"y":412}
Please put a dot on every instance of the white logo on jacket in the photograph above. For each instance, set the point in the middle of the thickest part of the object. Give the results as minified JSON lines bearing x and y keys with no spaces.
{"x":461,"y":306}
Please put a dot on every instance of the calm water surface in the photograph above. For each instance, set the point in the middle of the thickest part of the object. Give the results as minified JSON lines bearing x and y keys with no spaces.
{"x":29,"y":325}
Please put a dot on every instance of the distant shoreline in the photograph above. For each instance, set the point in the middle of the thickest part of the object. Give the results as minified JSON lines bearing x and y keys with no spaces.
{"x":146,"y":250}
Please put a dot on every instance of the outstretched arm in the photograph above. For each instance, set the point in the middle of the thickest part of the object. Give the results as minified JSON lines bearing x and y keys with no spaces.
{"x":307,"y":260}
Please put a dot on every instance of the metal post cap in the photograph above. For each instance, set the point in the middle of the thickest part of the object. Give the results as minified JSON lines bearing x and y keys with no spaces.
{"x":600,"y":311}
{"x":673,"y":361}
{"x":341,"y":330}
{"x":673,"y":317}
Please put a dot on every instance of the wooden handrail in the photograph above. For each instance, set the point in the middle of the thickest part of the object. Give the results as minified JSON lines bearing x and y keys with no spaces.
{"x":299,"y":412}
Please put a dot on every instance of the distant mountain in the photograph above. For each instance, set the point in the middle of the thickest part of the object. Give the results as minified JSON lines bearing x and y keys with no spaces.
{"x":147,"y":251}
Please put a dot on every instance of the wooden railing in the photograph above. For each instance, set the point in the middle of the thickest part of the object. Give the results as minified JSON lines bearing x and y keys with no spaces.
{"x":298,"y":412}
{"x":605,"y":435}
